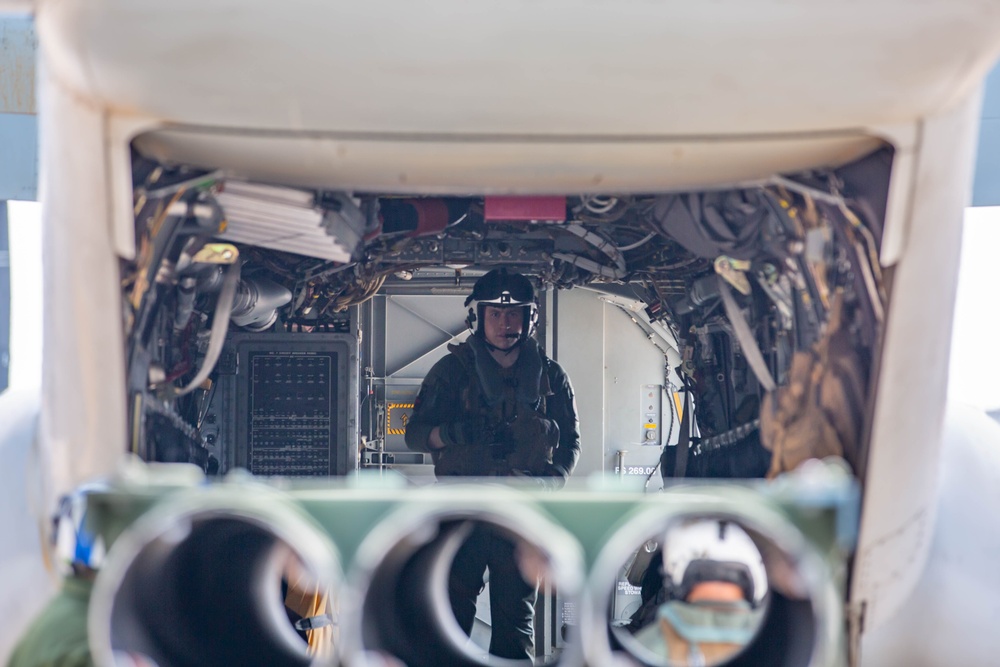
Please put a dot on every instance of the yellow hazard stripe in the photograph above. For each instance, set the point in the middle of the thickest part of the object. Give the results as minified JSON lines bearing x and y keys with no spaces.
{"x":388,"y":417}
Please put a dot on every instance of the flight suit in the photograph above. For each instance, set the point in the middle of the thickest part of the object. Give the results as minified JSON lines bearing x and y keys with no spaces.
{"x":58,"y":637}
{"x":497,"y":422}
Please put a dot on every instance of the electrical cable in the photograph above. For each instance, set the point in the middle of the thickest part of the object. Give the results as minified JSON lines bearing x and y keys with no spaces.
{"x":220,"y":325}
{"x":208,"y":403}
{"x":588,"y":265}
{"x":195,"y":182}
{"x":673,"y":409}
{"x":600,"y":209}
{"x":730,"y":437}
{"x":609,"y":249}
{"x":649,"y":331}
{"x":178,"y":422}
{"x":874,"y":281}
{"x":146,"y":272}
{"x":633,"y":246}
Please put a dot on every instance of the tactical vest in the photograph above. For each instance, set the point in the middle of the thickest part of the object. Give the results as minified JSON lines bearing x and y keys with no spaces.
{"x":510,"y":389}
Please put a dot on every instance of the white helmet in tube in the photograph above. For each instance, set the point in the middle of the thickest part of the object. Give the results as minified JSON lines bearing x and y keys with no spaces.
{"x":701,"y":550}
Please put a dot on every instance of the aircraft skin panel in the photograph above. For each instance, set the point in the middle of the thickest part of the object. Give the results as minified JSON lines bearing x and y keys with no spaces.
{"x":943,"y":621}
{"x":598,"y":68}
{"x":83,"y":415}
{"x":456,"y":164}
{"x":906,"y":433}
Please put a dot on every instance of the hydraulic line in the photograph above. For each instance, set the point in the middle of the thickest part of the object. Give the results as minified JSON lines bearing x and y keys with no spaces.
{"x":220,"y":325}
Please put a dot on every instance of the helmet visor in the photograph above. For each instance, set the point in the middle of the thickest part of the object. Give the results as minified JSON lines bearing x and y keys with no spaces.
{"x":501,"y":288}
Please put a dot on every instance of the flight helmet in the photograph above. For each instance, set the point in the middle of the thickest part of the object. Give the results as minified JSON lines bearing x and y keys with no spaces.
{"x":712,"y":550}
{"x":502,"y":289}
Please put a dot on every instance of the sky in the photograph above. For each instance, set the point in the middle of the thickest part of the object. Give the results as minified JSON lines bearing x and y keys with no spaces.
{"x":25,"y":234}
{"x":975,"y":356}
{"x":975,"y":352}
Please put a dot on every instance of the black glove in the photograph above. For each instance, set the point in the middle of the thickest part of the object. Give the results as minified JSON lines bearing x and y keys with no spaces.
{"x":550,"y":479}
{"x":534,"y":437}
{"x":473,"y":431}
{"x":468,"y":461}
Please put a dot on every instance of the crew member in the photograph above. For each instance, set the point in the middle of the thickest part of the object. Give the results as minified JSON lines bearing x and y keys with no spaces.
{"x":497,"y":406}
{"x":58,"y":636}
{"x":714,"y":582}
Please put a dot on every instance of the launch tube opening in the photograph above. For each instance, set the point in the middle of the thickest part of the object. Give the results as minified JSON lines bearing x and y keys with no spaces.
{"x":422,"y":594}
{"x":715,"y":584}
{"x":229,"y":583}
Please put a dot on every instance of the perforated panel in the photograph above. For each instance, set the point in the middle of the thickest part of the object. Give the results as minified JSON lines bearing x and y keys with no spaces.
{"x":286,"y":404}
{"x":292,"y":416}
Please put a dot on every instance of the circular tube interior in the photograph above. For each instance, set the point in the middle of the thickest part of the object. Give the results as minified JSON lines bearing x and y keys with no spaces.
{"x":798,"y":619}
{"x":208,"y":587}
{"x":402,"y":581}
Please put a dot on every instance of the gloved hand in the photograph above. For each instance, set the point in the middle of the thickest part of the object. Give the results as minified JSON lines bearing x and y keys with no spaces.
{"x":550,"y":479}
{"x":472,"y":431}
{"x":468,"y":461}
{"x":534,"y":437}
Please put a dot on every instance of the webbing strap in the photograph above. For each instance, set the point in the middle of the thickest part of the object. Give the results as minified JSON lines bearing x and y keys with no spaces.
{"x":745,"y":337}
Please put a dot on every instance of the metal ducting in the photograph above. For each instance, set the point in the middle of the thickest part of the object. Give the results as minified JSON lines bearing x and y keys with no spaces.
{"x":257,"y":301}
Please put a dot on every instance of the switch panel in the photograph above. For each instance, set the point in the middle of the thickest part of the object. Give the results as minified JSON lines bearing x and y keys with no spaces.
{"x":650,"y":414}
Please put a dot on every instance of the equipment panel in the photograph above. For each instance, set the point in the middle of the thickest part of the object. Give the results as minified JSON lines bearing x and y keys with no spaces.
{"x":290,"y":404}
{"x":292,"y":413}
